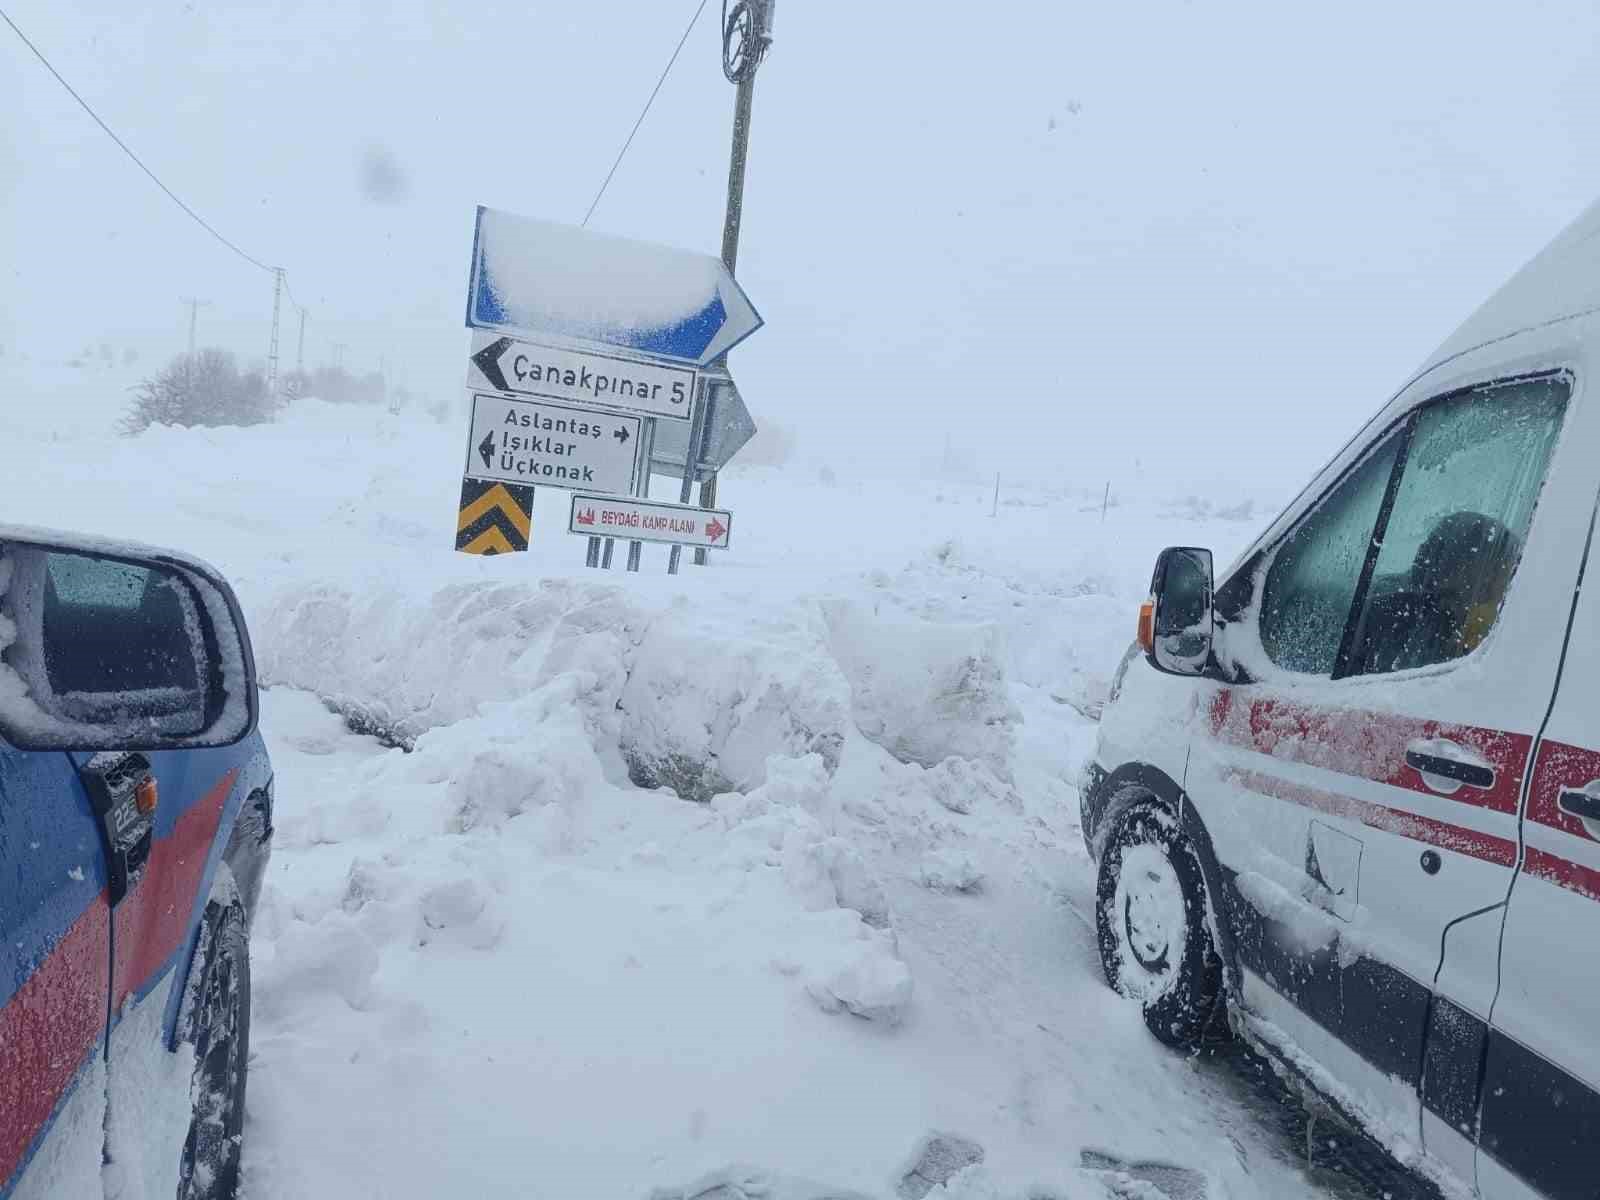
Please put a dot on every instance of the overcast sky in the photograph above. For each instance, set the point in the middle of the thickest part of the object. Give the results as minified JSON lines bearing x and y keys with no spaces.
{"x":1074,"y":236}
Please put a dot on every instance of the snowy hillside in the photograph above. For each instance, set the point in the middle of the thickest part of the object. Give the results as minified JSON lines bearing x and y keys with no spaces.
{"x":511,"y":960}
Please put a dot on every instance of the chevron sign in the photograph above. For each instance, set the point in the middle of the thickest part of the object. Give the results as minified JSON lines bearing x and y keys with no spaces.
{"x":495,"y":518}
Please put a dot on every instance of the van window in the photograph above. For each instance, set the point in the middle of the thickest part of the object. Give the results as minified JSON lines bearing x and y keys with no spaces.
{"x":1461,"y":513}
{"x":1311,"y":584}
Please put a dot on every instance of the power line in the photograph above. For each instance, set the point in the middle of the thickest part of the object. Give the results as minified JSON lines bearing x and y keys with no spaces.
{"x":84,"y":104}
{"x":693,"y":21}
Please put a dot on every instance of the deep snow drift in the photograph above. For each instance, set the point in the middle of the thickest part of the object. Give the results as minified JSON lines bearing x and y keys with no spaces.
{"x":767,"y":872}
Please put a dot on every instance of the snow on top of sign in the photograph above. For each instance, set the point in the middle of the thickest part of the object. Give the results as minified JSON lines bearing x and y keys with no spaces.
{"x":547,"y":275}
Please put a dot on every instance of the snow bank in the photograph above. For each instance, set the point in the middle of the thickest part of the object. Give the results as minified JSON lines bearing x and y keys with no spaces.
{"x":694,"y":700}
{"x":925,"y":692}
{"x":711,"y":696}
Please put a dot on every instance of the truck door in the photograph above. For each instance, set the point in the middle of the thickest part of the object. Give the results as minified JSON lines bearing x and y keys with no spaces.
{"x":161,"y":845}
{"x":54,"y":956}
{"x":1372,"y":766}
{"x":154,"y":925}
{"x":1540,"y":1119}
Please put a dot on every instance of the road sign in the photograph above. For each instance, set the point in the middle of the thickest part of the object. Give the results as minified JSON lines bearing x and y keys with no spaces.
{"x":649,"y":521}
{"x":536,"y":442}
{"x":494,"y":518}
{"x":544,"y":280}
{"x":594,"y":380}
{"x":728,"y":428}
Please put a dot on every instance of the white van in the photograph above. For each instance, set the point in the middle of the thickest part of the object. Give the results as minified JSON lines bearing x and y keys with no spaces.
{"x":1346,"y":802}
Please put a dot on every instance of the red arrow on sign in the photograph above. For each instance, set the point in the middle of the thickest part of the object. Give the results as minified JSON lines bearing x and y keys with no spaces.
{"x":715,"y":529}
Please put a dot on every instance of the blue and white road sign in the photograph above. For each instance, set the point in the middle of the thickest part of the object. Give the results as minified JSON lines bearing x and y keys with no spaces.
{"x":545,"y":280}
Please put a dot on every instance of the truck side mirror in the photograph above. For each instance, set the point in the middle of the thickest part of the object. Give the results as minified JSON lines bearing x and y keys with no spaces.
{"x":1176,"y":624}
{"x":110,"y":647}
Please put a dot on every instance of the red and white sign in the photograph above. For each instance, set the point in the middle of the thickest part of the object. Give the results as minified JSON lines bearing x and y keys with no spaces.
{"x":649,"y":521}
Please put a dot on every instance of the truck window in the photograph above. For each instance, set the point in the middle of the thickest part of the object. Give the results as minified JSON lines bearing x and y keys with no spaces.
{"x":1312,"y":581}
{"x":1461,"y":515}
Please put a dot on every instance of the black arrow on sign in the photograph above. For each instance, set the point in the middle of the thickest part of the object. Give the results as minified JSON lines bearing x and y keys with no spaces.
{"x":488,"y":360}
{"x":621,"y":435}
{"x":486,"y":448}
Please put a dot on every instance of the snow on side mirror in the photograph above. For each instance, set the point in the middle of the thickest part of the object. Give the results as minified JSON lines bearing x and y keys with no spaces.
{"x":108,"y":648}
{"x":1177,"y":633}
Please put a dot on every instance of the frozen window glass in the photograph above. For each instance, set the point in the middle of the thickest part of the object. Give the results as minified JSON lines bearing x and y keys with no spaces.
{"x":1461,"y":515}
{"x":103,"y":582}
{"x":1312,"y":581}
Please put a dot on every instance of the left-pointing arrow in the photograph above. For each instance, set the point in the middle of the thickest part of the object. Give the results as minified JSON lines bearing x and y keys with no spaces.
{"x":488,"y":361}
{"x":486,"y":449}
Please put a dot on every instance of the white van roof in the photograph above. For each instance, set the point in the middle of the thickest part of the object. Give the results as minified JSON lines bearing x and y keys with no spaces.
{"x":1560,"y":281}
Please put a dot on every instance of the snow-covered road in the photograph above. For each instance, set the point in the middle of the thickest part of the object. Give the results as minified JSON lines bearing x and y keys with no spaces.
{"x":511,"y":961}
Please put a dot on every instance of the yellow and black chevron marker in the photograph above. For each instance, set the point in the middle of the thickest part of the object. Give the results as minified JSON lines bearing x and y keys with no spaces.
{"x":495,"y":518}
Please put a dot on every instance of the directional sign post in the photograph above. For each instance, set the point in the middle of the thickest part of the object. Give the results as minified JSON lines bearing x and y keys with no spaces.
{"x":728,"y":427}
{"x":536,"y":442}
{"x":649,"y":521}
{"x":585,"y":349}
{"x":546,"y":281}
{"x":518,"y":367}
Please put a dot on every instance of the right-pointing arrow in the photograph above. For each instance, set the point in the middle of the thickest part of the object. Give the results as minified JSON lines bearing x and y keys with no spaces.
{"x":621,"y":435}
{"x":715,"y":529}
{"x":488,"y":361}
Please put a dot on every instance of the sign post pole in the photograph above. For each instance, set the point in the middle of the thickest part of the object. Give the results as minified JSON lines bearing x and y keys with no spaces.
{"x":648,"y":436}
{"x":745,"y":39}
{"x":697,"y":429}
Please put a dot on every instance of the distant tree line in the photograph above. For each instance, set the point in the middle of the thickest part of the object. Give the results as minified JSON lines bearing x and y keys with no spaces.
{"x":207,"y":388}
{"x":210,"y":388}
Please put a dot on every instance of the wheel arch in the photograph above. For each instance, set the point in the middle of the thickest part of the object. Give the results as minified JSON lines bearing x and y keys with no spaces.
{"x":236,"y":876}
{"x":1136,"y":783}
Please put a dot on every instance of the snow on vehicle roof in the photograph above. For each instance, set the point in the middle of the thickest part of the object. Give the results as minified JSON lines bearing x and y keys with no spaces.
{"x":1562,"y":280}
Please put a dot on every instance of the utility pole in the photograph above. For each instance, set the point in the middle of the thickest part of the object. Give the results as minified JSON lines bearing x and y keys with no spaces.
{"x":300,"y":347}
{"x":272,"y":349}
{"x":195,"y":304}
{"x":338,"y":356}
{"x":746,"y":36}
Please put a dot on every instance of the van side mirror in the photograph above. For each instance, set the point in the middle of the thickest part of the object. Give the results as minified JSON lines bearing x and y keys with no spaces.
{"x":1176,"y":624}
{"x":110,"y":647}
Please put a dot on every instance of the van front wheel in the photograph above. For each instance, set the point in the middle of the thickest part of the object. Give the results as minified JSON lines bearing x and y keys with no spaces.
{"x":1151,"y":915}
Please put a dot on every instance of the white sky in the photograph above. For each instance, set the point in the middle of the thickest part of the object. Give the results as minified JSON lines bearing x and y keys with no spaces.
{"x":1248,"y":223}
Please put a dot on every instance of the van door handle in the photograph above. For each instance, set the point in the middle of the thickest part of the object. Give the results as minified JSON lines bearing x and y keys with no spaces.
{"x":1580,"y":803}
{"x":1437,"y":761}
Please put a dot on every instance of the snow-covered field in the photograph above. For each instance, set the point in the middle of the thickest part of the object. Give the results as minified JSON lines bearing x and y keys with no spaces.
{"x":512,"y":960}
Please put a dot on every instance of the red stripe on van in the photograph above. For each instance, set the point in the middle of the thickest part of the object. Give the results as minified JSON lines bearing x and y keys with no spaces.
{"x":1563,"y":873}
{"x":47,"y":1030}
{"x":1486,"y":846}
{"x":155,"y":917}
{"x":1368,"y":745}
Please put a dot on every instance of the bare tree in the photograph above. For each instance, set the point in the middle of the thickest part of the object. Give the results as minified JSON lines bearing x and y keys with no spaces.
{"x":208,"y":389}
